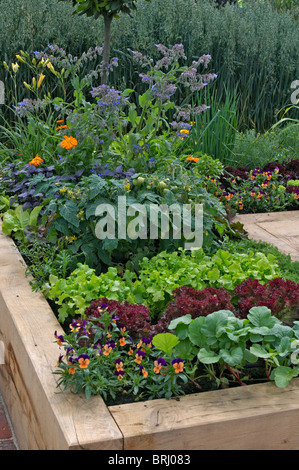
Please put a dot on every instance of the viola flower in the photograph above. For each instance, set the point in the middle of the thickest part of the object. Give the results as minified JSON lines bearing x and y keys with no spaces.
{"x":118,"y":364}
{"x":122,"y":341}
{"x":119,"y":373}
{"x":178,"y":365}
{"x":107,"y":350}
{"x":146,"y":341}
{"x":139,"y":355}
{"x":75,"y":326}
{"x":59,"y":360}
{"x":143,"y":371}
{"x":59,"y":338}
{"x":159,"y":364}
{"x":36,"y":161}
{"x":68,"y":142}
{"x":83,"y":360}
{"x":72,"y":370}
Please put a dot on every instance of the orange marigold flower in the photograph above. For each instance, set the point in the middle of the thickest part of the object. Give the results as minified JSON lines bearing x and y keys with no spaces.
{"x":60,"y":121}
{"x":192,"y":159}
{"x":61,"y":127}
{"x":69,"y":142}
{"x":36,"y":161}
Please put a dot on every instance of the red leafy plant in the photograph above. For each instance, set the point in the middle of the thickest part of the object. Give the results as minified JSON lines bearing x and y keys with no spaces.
{"x":187,"y":300}
{"x":135,"y":318}
{"x":279,"y":295}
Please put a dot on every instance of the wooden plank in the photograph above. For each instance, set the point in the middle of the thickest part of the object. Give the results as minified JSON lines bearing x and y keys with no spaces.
{"x":268,"y":217}
{"x":279,"y":229}
{"x":244,"y":418}
{"x":27,"y":325}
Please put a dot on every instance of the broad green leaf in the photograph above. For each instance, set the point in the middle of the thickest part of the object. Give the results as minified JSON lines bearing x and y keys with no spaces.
{"x":33,"y":217}
{"x":208,"y":357}
{"x":165,"y":342}
{"x":233,"y":356}
{"x":282,"y":375}
{"x":261,"y":316}
{"x":69,"y":212}
{"x":185,"y":350}
{"x":195,"y":331}
{"x":259,"y":351}
{"x":142,"y":100}
{"x":186,"y":319}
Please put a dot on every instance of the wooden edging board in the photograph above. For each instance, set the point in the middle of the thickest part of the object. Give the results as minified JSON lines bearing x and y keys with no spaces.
{"x":250,"y":417}
{"x":280,"y":229}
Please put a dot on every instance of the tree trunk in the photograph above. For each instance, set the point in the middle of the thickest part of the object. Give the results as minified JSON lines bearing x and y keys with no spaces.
{"x":106,"y":51}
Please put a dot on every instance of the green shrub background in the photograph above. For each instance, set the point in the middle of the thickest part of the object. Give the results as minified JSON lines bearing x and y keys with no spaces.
{"x":254,"y":48}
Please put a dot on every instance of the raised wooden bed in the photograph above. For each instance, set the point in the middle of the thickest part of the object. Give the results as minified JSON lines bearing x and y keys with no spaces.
{"x":251,"y":417}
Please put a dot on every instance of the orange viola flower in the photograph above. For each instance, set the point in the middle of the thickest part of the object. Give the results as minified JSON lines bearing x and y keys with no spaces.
{"x":72,"y":370}
{"x":83,"y":361}
{"x":69,"y":142}
{"x":139,"y":356}
{"x":122,"y":341}
{"x":159,"y":364}
{"x":119,"y":364}
{"x":144,"y":372}
{"x":107,"y":350}
{"x":178,"y":365}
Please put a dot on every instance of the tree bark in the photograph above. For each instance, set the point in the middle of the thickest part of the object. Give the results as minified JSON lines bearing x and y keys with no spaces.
{"x":106,"y":51}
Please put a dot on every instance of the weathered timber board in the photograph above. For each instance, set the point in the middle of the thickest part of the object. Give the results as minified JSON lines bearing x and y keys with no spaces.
{"x":251,"y":417}
{"x":281,"y":229}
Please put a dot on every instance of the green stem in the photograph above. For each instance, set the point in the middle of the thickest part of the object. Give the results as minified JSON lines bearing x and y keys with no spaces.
{"x":106,"y":51}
